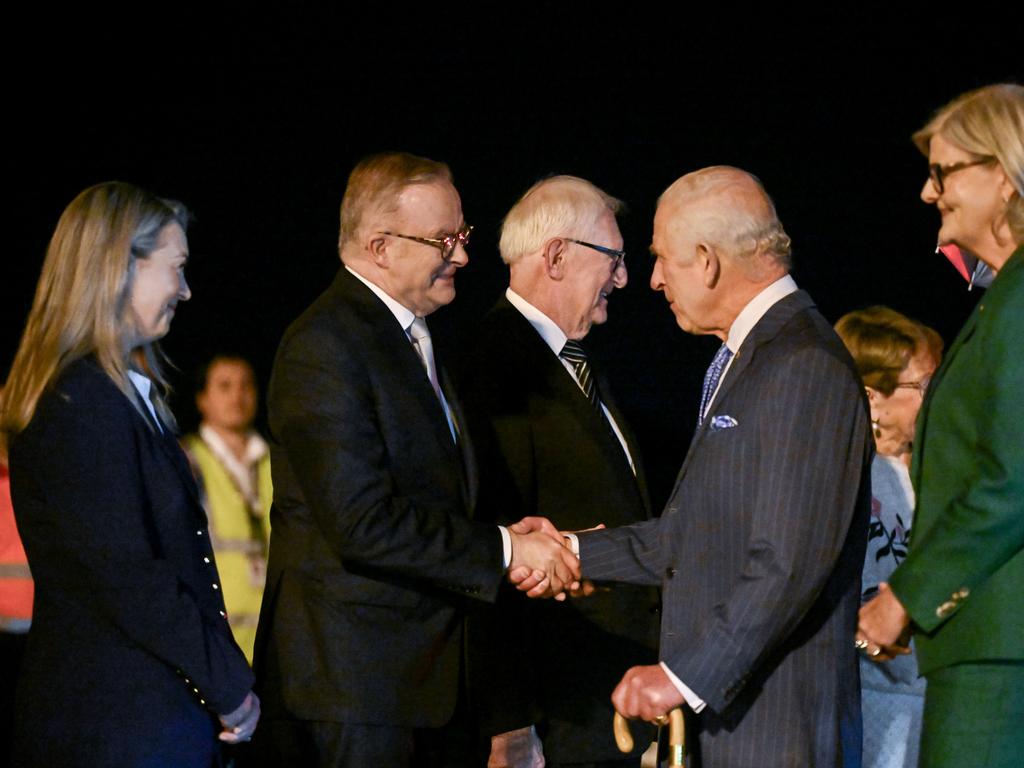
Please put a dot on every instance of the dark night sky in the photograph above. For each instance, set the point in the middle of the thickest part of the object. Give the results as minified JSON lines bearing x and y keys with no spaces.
{"x":255,"y":124}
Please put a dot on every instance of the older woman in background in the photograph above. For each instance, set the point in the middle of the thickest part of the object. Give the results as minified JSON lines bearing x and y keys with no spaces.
{"x":130,"y":660}
{"x":896,"y":358}
{"x":961,"y":586}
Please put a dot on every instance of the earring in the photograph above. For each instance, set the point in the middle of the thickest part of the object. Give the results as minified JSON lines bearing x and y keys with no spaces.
{"x":876,"y":428}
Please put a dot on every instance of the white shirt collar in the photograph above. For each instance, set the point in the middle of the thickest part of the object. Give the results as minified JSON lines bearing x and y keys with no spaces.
{"x":403,"y":315}
{"x":553,"y":335}
{"x":756,"y":309}
{"x":143,"y":386}
{"x":255,"y":446}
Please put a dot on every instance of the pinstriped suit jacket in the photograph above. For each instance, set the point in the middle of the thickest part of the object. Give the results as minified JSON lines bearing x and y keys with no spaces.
{"x":759,"y":551}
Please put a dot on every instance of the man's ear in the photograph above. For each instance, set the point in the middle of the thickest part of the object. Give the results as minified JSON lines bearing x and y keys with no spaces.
{"x":710,"y":263}
{"x":554,"y":258}
{"x":379,"y":248}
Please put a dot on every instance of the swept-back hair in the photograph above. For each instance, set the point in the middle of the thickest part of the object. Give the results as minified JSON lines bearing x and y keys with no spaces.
{"x":559,"y":206}
{"x":376,"y":183}
{"x":81,"y":305}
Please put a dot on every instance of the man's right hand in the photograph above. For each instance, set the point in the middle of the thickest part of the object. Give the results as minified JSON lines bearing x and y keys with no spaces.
{"x":541,"y":563}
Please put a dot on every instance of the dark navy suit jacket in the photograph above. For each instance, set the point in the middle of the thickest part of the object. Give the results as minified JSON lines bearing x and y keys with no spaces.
{"x":760,"y":548}
{"x":372,"y":552}
{"x":130,"y":653}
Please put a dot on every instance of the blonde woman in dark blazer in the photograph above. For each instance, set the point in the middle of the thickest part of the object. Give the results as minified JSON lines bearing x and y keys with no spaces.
{"x":130,"y":661}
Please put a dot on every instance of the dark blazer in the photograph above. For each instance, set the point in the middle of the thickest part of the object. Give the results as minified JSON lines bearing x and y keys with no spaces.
{"x":129,"y":652}
{"x":963,"y":580}
{"x":543,"y":449}
{"x":372,"y":552}
{"x":760,"y":548}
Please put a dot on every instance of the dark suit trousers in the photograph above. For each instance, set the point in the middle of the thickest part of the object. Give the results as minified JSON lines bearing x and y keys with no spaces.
{"x":315,"y":744}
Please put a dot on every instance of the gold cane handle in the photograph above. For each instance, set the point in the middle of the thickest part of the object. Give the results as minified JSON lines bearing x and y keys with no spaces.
{"x":676,"y":735}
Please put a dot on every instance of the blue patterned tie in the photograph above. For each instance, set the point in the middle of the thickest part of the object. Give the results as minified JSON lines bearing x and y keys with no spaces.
{"x":722,"y":357}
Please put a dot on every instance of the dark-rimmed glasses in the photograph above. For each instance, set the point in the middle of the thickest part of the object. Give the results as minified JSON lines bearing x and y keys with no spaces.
{"x":938,"y":173}
{"x":446,"y":244}
{"x":921,"y":385}
{"x":617,"y":257}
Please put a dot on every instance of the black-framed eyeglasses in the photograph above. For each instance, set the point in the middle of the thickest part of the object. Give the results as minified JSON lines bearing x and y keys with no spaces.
{"x":446,"y":244}
{"x":921,"y":385}
{"x":617,"y":257}
{"x":938,"y":173}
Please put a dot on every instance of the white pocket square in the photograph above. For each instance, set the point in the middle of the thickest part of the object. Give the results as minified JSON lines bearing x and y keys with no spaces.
{"x":722,"y":422}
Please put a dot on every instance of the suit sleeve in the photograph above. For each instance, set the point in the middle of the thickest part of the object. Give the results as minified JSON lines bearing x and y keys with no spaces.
{"x":102,"y":518}
{"x":324,"y":412}
{"x":982,"y":527}
{"x":630,"y":554}
{"x":810,"y":457}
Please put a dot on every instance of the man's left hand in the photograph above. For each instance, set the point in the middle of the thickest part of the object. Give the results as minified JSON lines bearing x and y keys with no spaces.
{"x":645,"y":693}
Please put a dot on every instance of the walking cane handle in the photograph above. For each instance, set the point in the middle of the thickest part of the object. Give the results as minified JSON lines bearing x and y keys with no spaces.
{"x":676,"y":735}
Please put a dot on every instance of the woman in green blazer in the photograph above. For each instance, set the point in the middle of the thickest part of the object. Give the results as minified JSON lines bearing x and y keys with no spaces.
{"x":961,"y":587}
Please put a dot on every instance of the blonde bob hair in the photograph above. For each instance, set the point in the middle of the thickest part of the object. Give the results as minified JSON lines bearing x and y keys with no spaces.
{"x":81,"y":305}
{"x":987,"y":122}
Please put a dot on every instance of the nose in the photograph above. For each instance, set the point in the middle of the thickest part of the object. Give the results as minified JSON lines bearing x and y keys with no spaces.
{"x":657,"y":280}
{"x":620,"y":275}
{"x":928,"y":192}
{"x":184,"y":292}
{"x":460,"y":256}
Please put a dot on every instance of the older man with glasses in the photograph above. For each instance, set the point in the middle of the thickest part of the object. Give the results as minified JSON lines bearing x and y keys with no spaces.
{"x":551,"y":441}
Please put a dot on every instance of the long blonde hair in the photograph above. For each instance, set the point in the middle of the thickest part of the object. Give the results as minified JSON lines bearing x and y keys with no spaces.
{"x":81,"y":302}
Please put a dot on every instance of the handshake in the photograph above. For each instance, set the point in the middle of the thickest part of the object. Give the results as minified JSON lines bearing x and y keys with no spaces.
{"x":543,"y":564}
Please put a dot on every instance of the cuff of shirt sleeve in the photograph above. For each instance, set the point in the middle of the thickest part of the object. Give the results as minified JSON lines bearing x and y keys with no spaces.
{"x":574,"y":543}
{"x":506,"y":547}
{"x":695,"y":702}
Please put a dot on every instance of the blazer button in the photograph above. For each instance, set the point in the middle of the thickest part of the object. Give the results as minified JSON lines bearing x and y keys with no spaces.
{"x":670,"y":572}
{"x":215,"y":586}
{"x":963,"y":593}
{"x":199,"y":532}
{"x":206,"y":560}
{"x":945,"y":609}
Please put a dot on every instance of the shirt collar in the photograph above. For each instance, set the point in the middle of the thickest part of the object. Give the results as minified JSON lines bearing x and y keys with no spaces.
{"x":255,"y":446}
{"x":142,"y":384}
{"x":553,"y":336}
{"x":756,"y":309}
{"x":403,"y":315}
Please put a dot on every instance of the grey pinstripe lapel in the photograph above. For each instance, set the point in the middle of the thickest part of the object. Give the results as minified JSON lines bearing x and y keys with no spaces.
{"x":767,"y":328}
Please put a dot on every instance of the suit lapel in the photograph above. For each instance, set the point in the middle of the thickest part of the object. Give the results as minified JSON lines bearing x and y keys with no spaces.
{"x":922,"y":423}
{"x":401,"y":354}
{"x":766,"y":329}
{"x":541,"y":362}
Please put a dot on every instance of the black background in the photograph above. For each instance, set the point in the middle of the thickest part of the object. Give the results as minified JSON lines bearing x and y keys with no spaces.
{"x":255,"y":120}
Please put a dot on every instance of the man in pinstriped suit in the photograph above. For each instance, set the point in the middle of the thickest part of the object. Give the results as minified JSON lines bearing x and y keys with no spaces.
{"x":759,"y":550}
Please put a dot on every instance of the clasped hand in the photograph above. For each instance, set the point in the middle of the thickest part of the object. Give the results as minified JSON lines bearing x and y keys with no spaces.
{"x":542,"y":563}
{"x":883,"y":626}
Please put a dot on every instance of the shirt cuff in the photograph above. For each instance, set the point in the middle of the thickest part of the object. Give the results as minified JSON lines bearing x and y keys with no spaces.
{"x":574,"y":543}
{"x":695,"y":702}
{"x":506,"y":547}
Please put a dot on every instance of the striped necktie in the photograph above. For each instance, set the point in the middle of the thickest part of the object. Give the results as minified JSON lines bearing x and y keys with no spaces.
{"x":573,"y":352}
